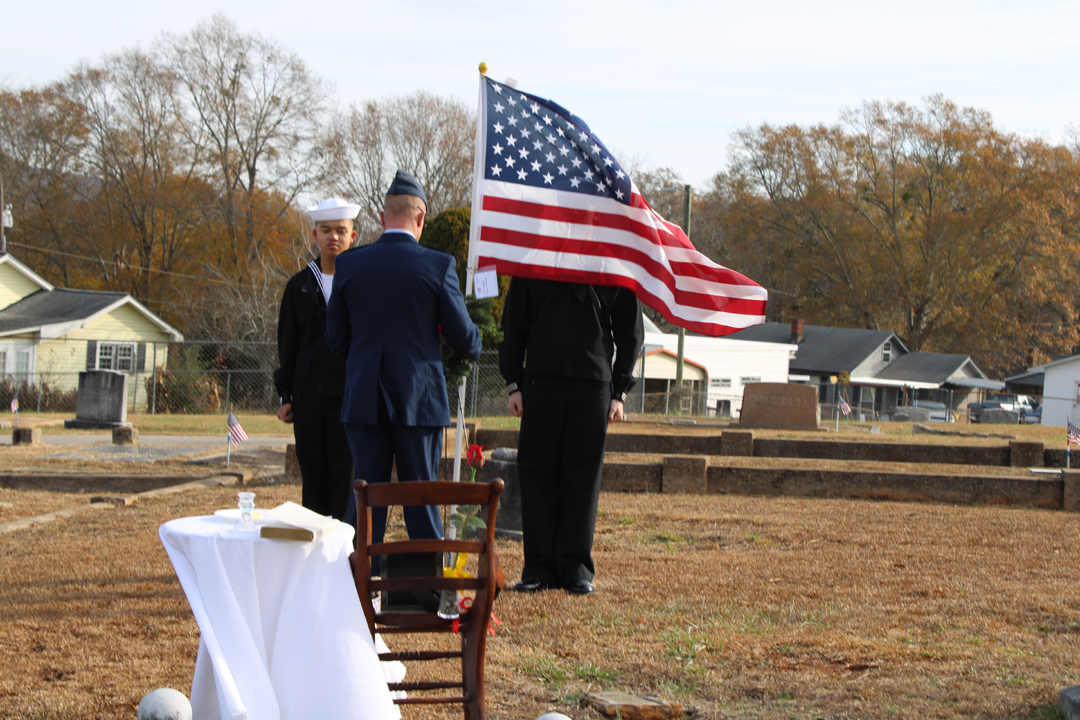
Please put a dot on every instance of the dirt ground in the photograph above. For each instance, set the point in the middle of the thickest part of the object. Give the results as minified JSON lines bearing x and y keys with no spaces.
{"x":736,"y":607}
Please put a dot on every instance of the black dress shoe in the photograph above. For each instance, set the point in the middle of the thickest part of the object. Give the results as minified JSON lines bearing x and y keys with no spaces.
{"x":579,"y":587}
{"x":530,"y":586}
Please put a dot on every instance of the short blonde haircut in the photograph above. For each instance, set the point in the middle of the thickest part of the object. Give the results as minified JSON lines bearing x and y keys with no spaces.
{"x":403,"y":205}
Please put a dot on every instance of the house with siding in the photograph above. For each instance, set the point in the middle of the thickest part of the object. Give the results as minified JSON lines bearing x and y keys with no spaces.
{"x":721,"y":366}
{"x":882,"y":372}
{"x":49,"y":334}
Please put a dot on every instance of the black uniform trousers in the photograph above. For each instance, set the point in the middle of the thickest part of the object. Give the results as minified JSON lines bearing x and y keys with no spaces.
{"x":322,"y":449}
{"x":560,"y":460}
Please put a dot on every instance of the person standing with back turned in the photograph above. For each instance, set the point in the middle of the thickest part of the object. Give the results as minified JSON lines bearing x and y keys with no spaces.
{"x":311,"y":378}
{"x":390,"y":301}
{"x":559,"y":343}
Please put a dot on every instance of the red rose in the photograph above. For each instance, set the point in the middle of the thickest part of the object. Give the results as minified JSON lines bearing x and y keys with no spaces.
{"x":474,"y":456}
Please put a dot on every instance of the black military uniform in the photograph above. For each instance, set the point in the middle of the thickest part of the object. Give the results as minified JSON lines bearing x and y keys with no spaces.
{"x":558,"y":345}
{"x":312,"y":378}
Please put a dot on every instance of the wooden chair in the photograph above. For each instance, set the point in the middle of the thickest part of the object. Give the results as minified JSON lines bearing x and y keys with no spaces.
{"x":472,"y":625}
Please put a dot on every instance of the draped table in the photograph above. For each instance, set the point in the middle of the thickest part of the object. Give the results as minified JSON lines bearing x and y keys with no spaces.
{"x":283,"y":635}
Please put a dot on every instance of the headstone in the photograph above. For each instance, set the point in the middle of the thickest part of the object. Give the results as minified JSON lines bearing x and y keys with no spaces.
{"x":633,"y":707}
{"x":737,"y":442}
{"x":292,"y":465}
{"x":26,"y":436}
{"x":1070,"y":501}
{"x":999,"y":416}
{"x":1025,"y":454}
{"x":165,"y":704}
{"x":685,"y":474}
{"x":125,"y":436}
{"x":503,"y":464}
{"x":102,"y":401}
{"x":780,"y":406}
{"x":1069,"y":702}
{"x":911,"y":413}
{"x":875,"y":429}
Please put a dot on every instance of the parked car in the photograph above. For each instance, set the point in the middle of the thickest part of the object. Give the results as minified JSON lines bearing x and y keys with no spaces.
{"x":1021,"y":404}
{"x":1033,"y":416}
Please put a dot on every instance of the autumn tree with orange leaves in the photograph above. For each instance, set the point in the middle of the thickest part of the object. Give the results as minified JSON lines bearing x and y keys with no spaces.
{"x":927,"y":221}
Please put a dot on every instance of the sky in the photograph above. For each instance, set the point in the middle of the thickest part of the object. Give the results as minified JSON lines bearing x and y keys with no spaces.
{"x":662,"y":84}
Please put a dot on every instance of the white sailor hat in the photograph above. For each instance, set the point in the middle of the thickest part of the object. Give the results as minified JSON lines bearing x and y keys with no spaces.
{"x":333,"y":209}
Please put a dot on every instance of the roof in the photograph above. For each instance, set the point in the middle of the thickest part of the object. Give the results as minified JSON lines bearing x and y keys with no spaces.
{"x":823,"y":349}
{"x":56,"y":312}
{"x":7,"y":259}
{"x":926,"y":367}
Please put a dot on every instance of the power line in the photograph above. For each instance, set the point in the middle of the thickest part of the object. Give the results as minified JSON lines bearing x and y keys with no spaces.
{"x":123,"y":266}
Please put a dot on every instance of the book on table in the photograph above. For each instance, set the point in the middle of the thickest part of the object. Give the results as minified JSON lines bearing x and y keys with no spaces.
{"x":290,"y":521}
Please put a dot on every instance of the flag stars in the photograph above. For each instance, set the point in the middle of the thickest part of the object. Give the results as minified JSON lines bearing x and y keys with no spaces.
{"x":525,"y":132}
{"x":496,"y":170}
{"x":539,"y":127}
{"x":511,"y":140}
{"x":535,"y":107}
{"x":620,"y":174}
{"x":498,"y":127}
{"x":512,"y":120}
{"x":608,"y":162}
{"x":537,"y":145}
{"x":589,"y":174}
{"x":595,"y":148}
{"x":521,"y":174}
{"x":600,"y":187}
{"x":619,"y":194}
{"x":576,"y":162}
{"x":499,"y":107}
{"x":497,"y":88}
{"x":574,"y":182}
{"x":510,"y":162}
{"x":523,"y":152}
{"x":562,"y":169}
{"x":560,"y":131}
{"x":497,"y":149}
{"x":536,"y":165}
{"x":548,"y":177}
{"x":547,"y":119}
{"x":551,"y":138}
{"x":563,"y":150}
{"x":550,"y":157}
{"x":510,"y":99}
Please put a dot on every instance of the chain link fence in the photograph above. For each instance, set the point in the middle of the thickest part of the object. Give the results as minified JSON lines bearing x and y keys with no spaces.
{"x":209,"y":377}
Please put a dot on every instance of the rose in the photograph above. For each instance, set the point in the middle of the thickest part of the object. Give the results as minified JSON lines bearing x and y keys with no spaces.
{"x":474,"y":456}
{"x":466,"y":516}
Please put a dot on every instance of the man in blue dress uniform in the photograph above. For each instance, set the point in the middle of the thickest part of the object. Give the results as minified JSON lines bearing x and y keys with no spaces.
{"x":390,"y":301}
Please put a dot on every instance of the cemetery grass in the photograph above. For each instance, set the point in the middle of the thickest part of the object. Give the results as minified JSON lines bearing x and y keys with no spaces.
{"x":736,"y":607}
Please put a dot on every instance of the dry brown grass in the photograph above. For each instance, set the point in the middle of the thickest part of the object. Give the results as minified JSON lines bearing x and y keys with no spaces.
{"x":737,"y":607}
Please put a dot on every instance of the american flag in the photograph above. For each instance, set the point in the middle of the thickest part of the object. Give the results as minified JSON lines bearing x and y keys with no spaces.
{"x":1073,"y":435}
{"x":236,"y":433}
{"x":844,"y":407}
{"x":550,"y":201}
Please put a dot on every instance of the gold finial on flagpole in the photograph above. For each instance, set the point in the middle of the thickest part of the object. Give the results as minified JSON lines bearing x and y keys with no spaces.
{"x":483,"y":68}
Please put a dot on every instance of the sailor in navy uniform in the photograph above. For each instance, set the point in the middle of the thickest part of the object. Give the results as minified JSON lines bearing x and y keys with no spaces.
{"x":311,"y":378}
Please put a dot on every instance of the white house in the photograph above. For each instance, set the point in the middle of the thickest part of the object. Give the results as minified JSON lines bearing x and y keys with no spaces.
{"x":730,"y":364}
{"x":1061,"y":391}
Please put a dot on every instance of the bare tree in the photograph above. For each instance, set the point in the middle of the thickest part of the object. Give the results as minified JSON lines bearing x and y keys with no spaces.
{"x":41,"y":138}
{"x":426,"y":135}
{"x":146,"y":200}
{"x":254,"y":108}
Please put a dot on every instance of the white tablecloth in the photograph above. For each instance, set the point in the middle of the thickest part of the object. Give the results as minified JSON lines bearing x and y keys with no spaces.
{"x":283,"y":636}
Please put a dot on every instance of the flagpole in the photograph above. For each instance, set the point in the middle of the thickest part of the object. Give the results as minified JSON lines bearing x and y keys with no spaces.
{"x":228,"y":441}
